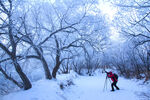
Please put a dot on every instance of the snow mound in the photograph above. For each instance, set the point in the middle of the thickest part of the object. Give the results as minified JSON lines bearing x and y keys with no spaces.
{"x":41,"y":90}
{"x":44,"y":89}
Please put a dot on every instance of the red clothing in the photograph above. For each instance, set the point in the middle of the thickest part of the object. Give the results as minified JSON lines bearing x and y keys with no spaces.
{"x":111,"y":75}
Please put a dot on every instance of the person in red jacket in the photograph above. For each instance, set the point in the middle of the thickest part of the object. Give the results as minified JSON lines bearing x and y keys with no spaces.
{"x":114,"y":79}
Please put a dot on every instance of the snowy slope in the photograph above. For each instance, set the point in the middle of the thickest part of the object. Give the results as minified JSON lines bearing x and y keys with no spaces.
{"x":85,"y":88}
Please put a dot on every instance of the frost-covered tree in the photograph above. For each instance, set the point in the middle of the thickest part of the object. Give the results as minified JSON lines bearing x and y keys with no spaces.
{"x":132,"y":22}
{"x":60,"y":31}
{"x":8,"y":42}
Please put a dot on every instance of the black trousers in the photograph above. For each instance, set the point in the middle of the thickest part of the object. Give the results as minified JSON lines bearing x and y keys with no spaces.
{"x":114,"y":85}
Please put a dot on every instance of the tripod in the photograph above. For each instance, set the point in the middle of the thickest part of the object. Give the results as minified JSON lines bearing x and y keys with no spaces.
{"x":105,"y":83}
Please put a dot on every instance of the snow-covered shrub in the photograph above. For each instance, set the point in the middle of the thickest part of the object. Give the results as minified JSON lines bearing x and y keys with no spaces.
{"x":66,"y":80}
{"x":86,"y":67}
{"x":66,"y":83}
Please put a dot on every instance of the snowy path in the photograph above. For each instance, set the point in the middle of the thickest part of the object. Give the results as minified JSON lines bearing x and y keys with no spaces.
{"x":85,"y":88}
{"x":91,"y":88}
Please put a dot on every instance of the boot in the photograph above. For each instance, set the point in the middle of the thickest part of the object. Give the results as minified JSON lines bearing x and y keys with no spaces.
{"x":117,"y":88}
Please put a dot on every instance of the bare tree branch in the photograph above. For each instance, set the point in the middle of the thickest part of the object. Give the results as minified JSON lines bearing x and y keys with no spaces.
{"x":147,"y":14}
{"x":5,"y":49}
{"x":132,"y":6}
{"x":59,"y":30}
{"x":4,"y":8}
{"x":10,"y":78}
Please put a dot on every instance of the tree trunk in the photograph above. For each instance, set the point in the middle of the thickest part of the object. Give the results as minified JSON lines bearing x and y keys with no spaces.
{"x":55,"y":69}
{"x":46,"y":69}
{"x":26,"y":82}
{"x":45,"y":66}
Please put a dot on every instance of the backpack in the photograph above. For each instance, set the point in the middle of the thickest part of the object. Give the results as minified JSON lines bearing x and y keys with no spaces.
{"x":116,"y":76}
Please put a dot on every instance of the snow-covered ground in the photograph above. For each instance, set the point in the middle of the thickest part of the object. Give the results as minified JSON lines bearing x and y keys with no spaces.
{"x":84,"y":88}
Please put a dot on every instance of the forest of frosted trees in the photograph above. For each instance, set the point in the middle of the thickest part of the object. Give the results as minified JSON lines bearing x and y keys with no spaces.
{"x":43,"y":38}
